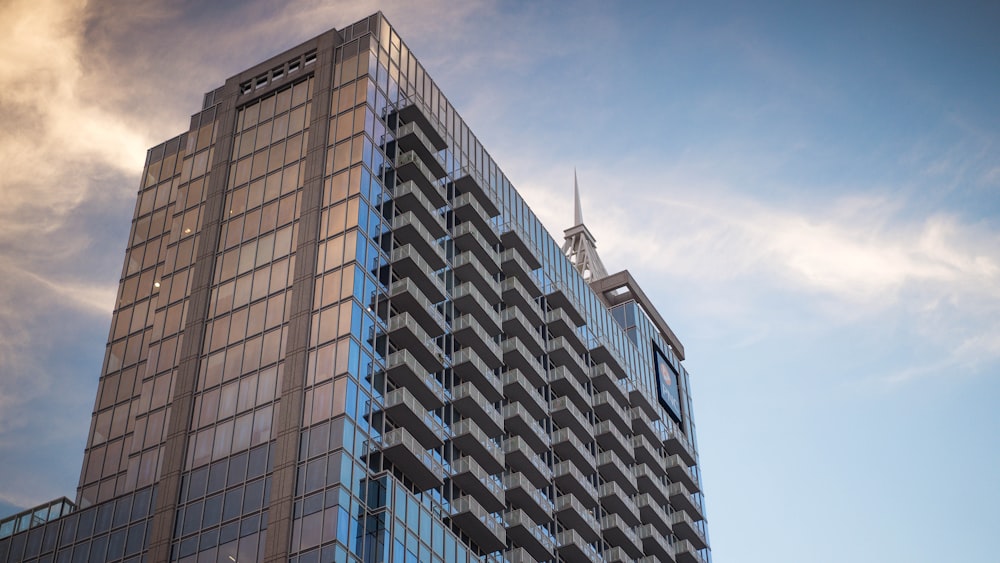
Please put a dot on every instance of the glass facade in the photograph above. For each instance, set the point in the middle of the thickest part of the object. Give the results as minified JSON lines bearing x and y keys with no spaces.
{"x":341,"y":335}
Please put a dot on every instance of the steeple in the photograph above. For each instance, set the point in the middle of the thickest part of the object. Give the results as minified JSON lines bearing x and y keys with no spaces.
{"x":580,"y":246}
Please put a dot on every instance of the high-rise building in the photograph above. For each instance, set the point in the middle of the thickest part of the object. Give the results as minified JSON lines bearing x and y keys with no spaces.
{"x":341,"y":335}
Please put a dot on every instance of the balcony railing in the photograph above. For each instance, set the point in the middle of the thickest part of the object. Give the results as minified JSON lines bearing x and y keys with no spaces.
{"x":406,"y":453}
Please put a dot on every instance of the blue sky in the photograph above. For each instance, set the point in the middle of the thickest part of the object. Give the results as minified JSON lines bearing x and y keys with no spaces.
{"x":811,"y":193}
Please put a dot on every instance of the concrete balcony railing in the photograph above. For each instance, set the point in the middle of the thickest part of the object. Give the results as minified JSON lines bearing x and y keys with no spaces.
{"x":413,"y":112}
{"x":560,"y":324}
{"x":525,"y":495}
{"x":641,"y":423}
{"x":403,"y":369}
{"x":560,"y":297}
{"x":567,"y":415}
{"x":572,"y":514}
{"x":568,"y":478}
{"x":407,"y":262}
{"x":485,"y":529}
{"x":408,"y":228}
{"x":682,"y":499}
{"x":567,"y":446}
{"x":519,"y":456}
{"x":515,"y":294}
{"x":466,"y":364}
{"x":406,"y":334}
{"x":603,"y":379}
{"x":468,"y":180}
{"x":606,"y":407}
{"x":654,"y":543}
{"x":469,"y":300}
{"x":676,"y":442}
{"x":572,"y":547}
{"x":468,"y":239}
{"x":641,"y":398}
{"x":686,"y":552}
{"x":467,"y":209}
{"x":474,"y":480}
{"x":517,"y":325}
{"x":649,"y":482}
{"x":518,"y":389}
{"x":520,"y":555}
{"x":610,"y":438}
{"x":411,"y":168}
{"x":619,"y":533}
{"x":646,"y":452}
{"x":679,"y":472}
{"x":411,"y":137}
{"x":653,"y":513}
{"x":604,"y":352}
{"x":518,"y":422}
{"x":562,"y":354}
{"x":403,"y":409}
{"x":523,"y":531}
{"x":511,"y":238}
{"x":514,"y":266}
{"x":406,"y":296}
{"x":471,"y":440}
{"x":610,"y":466}
{"x":470,"y":334}
{"x":470,"y":403}
{"x":409,"y":197}
{"x":406,"y":453}
{"x":685,"y":528}
{"x":615,"y":499}
{"x":468,"y":268}
{"x":565,"y":384}
{"x":517,"y":356}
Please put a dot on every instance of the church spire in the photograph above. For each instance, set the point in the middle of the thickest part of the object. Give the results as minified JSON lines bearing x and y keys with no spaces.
{"x":581,"y":246}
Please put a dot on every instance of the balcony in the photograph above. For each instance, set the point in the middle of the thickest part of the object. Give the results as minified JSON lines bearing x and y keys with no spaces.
{"x":521,"y":458}
{"x":407,"y":229}
{"x":468,"y":210}
{"x":560,"y":324}
{"x":645,"y":452}
{"x":607,"y":408}
{"x":517,"y":357}
{"x":655,"y":544}
{"x":562,"y":354}
{"x":687,"y":529}
{"x":407,"y":263}
{"x":403,"y":409}
{"x":679,"y":472}
{"x":523,"y":494}
{"x":468,"y":239}
{"x":604,"y":353}
{"x":413,"y":113}
{"x":470,"y":334}
{"x":565,"y":384}
{"x":406,"y":334}
{"x":515,"y":324}
{"x":468,"y":269}
{"x":652,"y":513}
{"x":676,"y":443}
{"x":471,"y":440}
{"x":467,"y":365}
{"x":641,"y":398}
{"x":485,"y":529}
{"x":519,"y":555}
{"x":572,"y":547}
{"x":614,"y":498}
{"x":409,"y":198}
{"x":515,"y":295}
{"x":411,"y":137}
{"x":403,"y":450}
{"x":561,"y":298}
{"x":572,"y":514}
{"x":641,"y":424}
{"x":569,"y":480}
{"x":682,"y":499}
{"x":407,"y":297}
{"x":566,"y":415}
{"x":405,"y":371}
{"x":470,"y":403}
{"x":532,"y":537}
{"x":603,"y":379}
{"x":411,"y":168}
{"x":467,"y":299}
{"x":469,"y":181}
{"x":518,"y":389}
{"x":614,"y":471}
{"x":567,"y":446}
{"x":517,"y":421}
{"x":610,"y":438}
{"x":620,"y":534}
{"x":649,"y":482}
{"x":514,"y":266}
{"x":474,"y":480}
{"x":512,"y":239}
{"x":687,"y":553}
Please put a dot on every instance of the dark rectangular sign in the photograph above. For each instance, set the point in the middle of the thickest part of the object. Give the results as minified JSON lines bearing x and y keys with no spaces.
{"x":667,"y":385}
